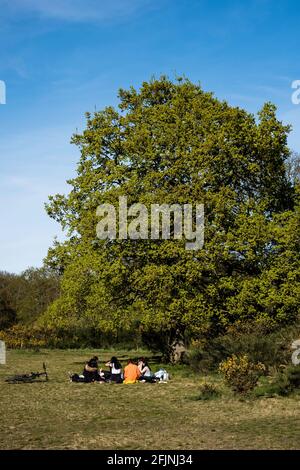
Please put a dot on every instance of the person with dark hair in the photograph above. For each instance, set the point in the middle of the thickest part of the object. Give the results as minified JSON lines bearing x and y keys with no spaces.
{"x":140,"y":363}
{"x":145,"y":370}
{"x":131,"y":373}
{"x":115,"y":370}
{"x":91,"y":371}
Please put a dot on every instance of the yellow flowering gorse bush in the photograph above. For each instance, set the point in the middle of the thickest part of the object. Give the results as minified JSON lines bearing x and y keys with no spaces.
{"x":240,"y":373}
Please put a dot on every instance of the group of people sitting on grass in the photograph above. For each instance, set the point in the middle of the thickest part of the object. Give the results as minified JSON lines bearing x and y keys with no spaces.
{"x":133,"y":372}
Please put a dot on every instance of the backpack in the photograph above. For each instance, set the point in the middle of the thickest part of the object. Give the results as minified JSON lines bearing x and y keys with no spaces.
{"x":162,"y":374}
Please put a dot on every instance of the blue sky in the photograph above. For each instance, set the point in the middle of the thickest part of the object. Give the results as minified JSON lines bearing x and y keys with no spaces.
{"x":61,"y":58}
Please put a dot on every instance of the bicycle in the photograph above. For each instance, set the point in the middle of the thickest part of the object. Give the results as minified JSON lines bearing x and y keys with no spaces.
{"x":29,"y":378}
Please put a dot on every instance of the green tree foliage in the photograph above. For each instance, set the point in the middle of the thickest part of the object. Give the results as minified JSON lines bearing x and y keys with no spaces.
{"x":7,"y":315}
{"x":24,"y":297}
{"x":171,"y":142}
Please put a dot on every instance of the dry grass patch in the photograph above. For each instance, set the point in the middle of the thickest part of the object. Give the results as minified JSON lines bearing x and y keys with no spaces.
{"x":63,"y":415}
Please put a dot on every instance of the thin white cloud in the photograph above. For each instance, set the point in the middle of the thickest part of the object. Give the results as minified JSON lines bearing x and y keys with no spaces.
{"x":269,"y":90}
{"x":75,"y":10}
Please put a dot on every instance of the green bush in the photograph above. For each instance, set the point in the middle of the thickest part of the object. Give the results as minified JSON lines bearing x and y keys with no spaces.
{"x":259,"y":343}
{"x":284,"y":383}
{"x":34,"y":337}
{"x":241,"y":374}
{"x":208,"y":392}
{"x":293,"y":376}
{"x":21,"y":336}
{"x":205,"y":355}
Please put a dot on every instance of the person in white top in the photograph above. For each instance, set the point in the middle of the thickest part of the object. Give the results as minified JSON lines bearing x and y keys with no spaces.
{"x":115,"y":370}
{"x":146,"y":374}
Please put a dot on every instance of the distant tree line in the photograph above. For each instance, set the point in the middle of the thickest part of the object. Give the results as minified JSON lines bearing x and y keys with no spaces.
{"x":24,"y":297}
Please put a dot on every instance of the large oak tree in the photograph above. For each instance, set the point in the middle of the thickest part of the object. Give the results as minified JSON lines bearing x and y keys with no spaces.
{"x":171,"y":142}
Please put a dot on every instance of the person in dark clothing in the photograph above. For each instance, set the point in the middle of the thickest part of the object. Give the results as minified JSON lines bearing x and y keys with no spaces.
{"x":91,"y":371}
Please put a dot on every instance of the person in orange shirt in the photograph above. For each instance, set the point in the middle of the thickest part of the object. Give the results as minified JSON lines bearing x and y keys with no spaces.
{"x":131,"y":373}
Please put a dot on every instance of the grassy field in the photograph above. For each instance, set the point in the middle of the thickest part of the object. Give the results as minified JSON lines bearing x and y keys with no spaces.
{"x":64,"y":415}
